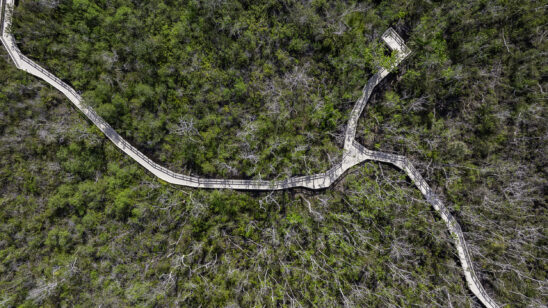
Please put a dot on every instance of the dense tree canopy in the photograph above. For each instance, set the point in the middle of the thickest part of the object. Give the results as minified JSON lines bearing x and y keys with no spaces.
{"x":225,"y":88}
{"x":263,"y":89}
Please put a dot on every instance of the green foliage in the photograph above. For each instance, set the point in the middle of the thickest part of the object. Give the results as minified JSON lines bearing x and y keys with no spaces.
{"x":268,"y":86}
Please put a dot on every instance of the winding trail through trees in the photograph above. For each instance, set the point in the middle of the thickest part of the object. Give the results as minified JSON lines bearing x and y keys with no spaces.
{"x":353,"y":153}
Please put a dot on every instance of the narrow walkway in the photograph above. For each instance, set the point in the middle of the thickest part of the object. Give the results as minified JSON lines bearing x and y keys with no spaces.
{"x":353,"y":153}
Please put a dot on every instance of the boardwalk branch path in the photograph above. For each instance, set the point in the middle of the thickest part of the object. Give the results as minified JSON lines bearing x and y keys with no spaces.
{"x":353,"y":153}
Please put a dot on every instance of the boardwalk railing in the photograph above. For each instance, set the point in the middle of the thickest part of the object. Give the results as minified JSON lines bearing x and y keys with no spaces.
{"x":392,"y":34}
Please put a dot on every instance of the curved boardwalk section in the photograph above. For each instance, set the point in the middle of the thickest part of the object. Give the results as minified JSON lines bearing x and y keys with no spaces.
{"x":454,"y":228}
{"x":353,"y":152}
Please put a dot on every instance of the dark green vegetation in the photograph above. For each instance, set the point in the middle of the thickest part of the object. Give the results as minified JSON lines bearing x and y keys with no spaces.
{"x":220,"y":88}
{"x":80,"y":223}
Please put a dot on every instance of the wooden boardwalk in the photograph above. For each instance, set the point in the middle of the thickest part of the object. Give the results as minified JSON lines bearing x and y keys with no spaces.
{"x":353,"y":152}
